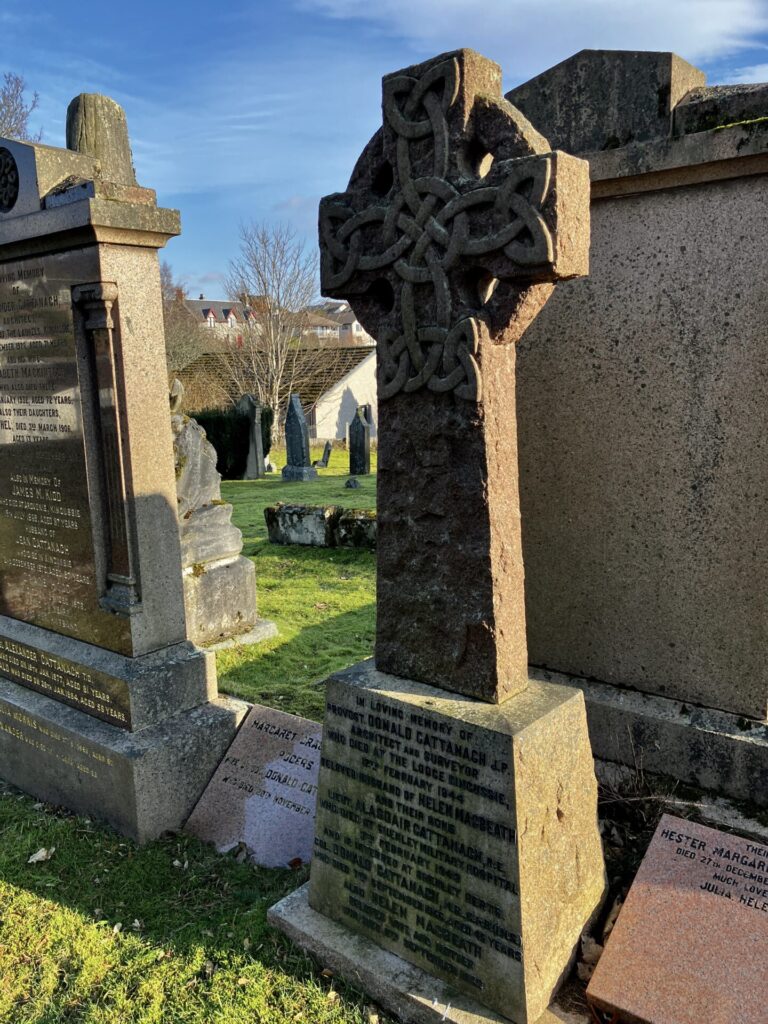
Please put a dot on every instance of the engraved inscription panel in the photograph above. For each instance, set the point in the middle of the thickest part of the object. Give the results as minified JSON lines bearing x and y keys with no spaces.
{"x":691,"y":941}
{"x":85,"y":688}
{"x":262,"y":796}
{"x":416,"y":845}
{"x":53,"y":744}
{"x":48,"y":571}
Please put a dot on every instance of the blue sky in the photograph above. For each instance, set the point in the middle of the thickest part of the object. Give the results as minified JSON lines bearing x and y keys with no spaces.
{"x":253,"y":109}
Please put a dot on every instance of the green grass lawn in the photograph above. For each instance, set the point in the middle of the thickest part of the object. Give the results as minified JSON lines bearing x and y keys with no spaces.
{"x":173,"y":932}
{"x":322,"y":599}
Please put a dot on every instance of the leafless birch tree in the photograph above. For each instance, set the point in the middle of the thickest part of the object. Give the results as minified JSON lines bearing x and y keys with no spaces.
{"x":276,"y":280}
{"x":15,"y":108}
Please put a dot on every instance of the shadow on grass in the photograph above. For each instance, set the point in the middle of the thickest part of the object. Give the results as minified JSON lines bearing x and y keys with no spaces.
{"x":173,"y":918}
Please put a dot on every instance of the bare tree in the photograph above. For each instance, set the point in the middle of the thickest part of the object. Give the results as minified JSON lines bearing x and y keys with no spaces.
{"x":276,"y":280}
{"x":15,"y":108}
{"x":184,"y":341}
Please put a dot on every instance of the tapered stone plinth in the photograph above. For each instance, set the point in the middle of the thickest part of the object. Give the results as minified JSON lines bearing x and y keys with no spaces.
{"x":458,"y":835}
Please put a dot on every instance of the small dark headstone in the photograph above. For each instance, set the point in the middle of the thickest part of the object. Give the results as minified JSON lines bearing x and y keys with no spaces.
{"x":298,"y":465}
{"x":254,"y":467}
{"x":323,"y":463}
{"x":352,"y":483}
{"x":360,"y":444}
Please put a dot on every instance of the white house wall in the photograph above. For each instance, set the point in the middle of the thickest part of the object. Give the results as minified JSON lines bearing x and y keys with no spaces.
{"x":337,"y":406}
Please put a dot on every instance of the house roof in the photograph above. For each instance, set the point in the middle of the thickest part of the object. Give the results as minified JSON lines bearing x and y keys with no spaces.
{"x":220,"y":308}
{"x":315,"y":320}
{"x":323,"y":373}
{"x":207,"y":383}
{"x":346,"y":318}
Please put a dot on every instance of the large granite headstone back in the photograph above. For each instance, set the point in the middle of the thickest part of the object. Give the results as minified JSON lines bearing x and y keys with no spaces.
{"x":299,"y":464}
{"x":643,"y":423}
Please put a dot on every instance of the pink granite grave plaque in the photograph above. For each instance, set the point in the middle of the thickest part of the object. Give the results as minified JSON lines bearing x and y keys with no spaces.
{"x":263,"y":794}
{"x":691,"y":943}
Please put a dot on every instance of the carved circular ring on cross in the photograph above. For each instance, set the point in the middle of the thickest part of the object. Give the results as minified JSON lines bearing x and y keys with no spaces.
{"x":9,"y":181}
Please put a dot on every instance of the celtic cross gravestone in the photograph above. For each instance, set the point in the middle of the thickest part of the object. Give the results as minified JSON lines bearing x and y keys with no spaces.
{"x":456,"y":222}
{"x":457,"y":834}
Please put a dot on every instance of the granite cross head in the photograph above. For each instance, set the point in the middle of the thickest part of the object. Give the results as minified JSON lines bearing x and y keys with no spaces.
{"x":455,"y":225}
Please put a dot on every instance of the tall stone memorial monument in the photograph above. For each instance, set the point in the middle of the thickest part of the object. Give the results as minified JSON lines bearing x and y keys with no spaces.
{"x":457,"y":857}
{"x":105,"y":706}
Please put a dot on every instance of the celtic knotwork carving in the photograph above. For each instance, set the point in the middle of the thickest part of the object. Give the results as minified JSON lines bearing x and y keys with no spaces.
{"x":9,"y":181}
{"x":423,"y":230}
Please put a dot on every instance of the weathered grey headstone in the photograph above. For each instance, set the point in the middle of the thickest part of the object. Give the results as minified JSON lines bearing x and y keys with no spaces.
{"x":254,"y":467}
{"x":359,"y":444}
{"x":298,"y":465}
{"x":323,"y":462}
{"x":106,"y":707}
{"x":459,"y":833}
{"x":219,"y":582}
{"x":262,"y":797}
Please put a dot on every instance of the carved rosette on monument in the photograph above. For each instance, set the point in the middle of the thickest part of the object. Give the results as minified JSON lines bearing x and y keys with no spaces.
{"x":105,"y":705}
{"x":457,"y":803}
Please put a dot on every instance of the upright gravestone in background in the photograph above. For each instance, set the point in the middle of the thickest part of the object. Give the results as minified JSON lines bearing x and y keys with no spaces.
{"x":458,"y":833}
{"x":298,"y":465}
{"x":359,"y":444}
{"x":254,"y":467}
{"x":105,"y":705}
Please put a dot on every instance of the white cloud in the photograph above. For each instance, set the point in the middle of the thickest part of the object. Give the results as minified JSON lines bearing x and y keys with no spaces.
{"x":528,"y":36}
{"x":755,"y":73}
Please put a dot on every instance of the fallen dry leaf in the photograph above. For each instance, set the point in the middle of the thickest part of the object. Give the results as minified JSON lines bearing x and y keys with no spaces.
{"x":585,"y":971}
{"x":41,"y":855}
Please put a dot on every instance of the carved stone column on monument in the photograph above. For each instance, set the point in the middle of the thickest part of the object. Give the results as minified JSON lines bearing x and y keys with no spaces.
{"x":105,"y":705}
{"x":219,"y":582}
{"x":460,"y":834}
{"x":298,"y":461}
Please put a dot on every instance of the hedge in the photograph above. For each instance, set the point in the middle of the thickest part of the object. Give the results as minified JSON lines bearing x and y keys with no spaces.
{"x":228,"y":431}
